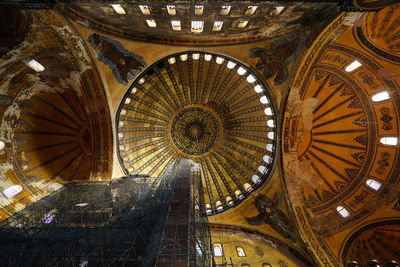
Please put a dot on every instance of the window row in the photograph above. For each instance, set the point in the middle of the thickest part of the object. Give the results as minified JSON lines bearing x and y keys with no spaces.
{"x":218,"y":251}
{"x":372,"y":183}
{"x":197,"y":26}
{"x":199,"y":10}
{"x":378,"y":97}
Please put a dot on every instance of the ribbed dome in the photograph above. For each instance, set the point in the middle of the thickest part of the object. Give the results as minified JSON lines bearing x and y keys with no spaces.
{"x":205,"y":107}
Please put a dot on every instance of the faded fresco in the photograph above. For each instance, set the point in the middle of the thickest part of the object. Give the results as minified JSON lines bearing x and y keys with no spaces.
{"x":124,"y":64}
{"x":274,"y":61}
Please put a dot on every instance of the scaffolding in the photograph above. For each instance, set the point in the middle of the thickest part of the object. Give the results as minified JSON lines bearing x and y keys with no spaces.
{"x":201,"y":250}
{"x":132,"y":221}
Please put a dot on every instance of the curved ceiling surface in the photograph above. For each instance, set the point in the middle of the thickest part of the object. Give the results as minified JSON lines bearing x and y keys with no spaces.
{"x":206,"y":107}
{"x":263,"y":20}
{"x":338,"y":167}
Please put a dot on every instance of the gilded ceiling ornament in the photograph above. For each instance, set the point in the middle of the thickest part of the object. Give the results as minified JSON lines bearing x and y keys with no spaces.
{"x":205,"y":107}
{"x":194,"y":131}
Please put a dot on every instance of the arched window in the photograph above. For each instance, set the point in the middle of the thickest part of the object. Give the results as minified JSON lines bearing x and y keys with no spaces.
{"x":381,"y":96}
{"x":353,"y":66}
{"x":263,"y":99}
{"x":262,"y":169}
{"x":389,"y":140}
{"x":13,"y":191}
{"x":266,"y":265}
{"x":343,"y":211}
{"x":372,"y":263}
{"x":268,"y":111}
{"x":373,"y":184}
{"x":218,"y":252}
{"x":267,"y":159}
{"x":240,"y":252}
{"x":271,"y":135}
{"x":2,"y":145}
{"x":391,"y":264}
{"x":245,"y":265}
{"x":256,"y":179}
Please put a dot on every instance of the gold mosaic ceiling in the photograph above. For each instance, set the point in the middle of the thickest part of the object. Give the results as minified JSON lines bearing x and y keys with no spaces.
{"x":205,"y":107}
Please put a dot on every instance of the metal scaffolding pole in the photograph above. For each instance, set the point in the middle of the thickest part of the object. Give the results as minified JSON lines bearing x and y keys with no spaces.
{"x":132,"y":221}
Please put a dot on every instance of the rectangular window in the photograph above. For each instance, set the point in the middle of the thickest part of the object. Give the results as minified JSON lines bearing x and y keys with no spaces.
{"x":217,"y":26}
{"x":240,"y":252}
{"x":242,"y":24}
{"x":276,"y":11}
{"x":218,"y":250}
{"x":35,"y":65}
{"x":197,"y":26}
{"x":151,"y":23}
{"x":119,"y":9}
{"x":171,"y":10}
{"x":145,"y":10}
{"x":225,"y":10}
{"x":198,"y":10}
{"x":176,"y":25}
{"x":250,"y":10}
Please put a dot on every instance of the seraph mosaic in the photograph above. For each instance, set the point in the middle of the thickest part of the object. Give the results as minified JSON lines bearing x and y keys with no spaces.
{"x":275,"y":60}
{"x":270,"y":212}
{"x":124,"y":64}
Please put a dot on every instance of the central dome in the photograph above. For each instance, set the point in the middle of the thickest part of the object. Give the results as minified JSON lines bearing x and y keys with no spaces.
{"x":206,"y":107}
{"x":194,"y":131}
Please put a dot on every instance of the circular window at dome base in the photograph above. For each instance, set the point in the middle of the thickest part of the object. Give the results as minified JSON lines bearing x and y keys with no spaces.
{"x":206,"y":107}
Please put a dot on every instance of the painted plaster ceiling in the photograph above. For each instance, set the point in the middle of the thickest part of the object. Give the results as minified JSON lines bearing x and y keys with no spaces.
{"x":338,"y":167}
{"x":49,"y":115}
{"x":204,"y":107}
{"x":57,"y":127}
{"x":13,"y":26}
{"x":266,"y":22}
{"x":377,"y":241}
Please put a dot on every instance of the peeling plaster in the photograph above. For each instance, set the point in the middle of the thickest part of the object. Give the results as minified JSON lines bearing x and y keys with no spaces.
{"x":13,"y":111}
{"x":30,"y":43}
{"x":68,"y":34}
{"x":73,"y":81}
{"x":299,"y":172}
{"x":353,"y":18}
{"x":294,"y":104}
{"x":307,"y":114}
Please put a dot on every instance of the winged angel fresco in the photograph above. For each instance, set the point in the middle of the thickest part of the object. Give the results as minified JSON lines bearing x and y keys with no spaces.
{"x":270,"y":212}
{"x":275,"y":60}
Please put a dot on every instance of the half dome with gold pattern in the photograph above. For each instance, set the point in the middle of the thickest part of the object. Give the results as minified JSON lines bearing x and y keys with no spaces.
{"x":206,"y":107}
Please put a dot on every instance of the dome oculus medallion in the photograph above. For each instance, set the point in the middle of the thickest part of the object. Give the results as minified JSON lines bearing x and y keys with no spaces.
{"x":194,"y":131}
{"x":206,"y":107}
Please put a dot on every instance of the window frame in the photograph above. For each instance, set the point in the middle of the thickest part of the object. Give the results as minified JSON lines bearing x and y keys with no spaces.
{"x":237,"y":251}
{"x":222,"y":249}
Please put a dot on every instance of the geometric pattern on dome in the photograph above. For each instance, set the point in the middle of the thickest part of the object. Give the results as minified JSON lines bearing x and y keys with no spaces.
{"x":205,"y":107}
{"x":331,"y":135}
{"x":378,"y":33}
{"x":194,"y":131}
{"x":377,"y":241}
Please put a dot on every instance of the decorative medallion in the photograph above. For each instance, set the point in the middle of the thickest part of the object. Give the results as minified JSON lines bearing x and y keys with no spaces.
{"x":194,"y":131}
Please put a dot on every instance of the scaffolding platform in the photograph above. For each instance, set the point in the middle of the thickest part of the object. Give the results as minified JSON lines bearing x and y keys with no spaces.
{"x":132,"y":221}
